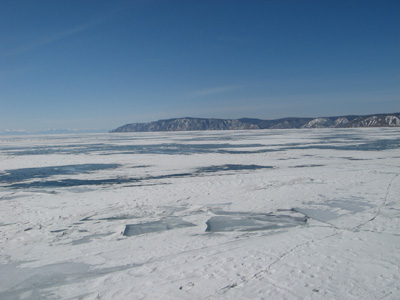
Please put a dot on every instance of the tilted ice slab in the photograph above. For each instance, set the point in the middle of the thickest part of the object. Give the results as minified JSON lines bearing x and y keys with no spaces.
{"x":244,"y":221}
{"x":156,"y":226}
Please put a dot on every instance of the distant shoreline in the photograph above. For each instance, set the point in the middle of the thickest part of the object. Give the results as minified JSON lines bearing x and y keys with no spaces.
{"x":200,"y":124}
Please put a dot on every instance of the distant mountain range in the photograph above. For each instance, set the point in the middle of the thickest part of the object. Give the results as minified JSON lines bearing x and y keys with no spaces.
{"x":190,"y":124}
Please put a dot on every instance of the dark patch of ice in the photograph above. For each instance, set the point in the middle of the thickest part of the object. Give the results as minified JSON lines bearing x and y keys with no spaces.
{"x":18,"y":175}
{"x":353,"y":158}
{"x":111,"y":181}
{"x":377,"y":145}
{"x":231,"y":167}
{"x":110,"y":149}
{"x":72,"y":183}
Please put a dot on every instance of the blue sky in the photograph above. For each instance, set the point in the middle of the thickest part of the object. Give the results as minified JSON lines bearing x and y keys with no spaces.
{"x":101,"y":64}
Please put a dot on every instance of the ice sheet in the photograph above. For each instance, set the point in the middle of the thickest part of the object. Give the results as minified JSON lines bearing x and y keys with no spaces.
{"x":284,"y":214}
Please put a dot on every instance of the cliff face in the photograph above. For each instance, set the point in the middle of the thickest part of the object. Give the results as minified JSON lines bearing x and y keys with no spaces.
{"x":190,"y":124}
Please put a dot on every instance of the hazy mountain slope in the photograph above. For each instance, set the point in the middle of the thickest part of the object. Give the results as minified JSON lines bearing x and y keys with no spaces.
{"x":189,"y":124}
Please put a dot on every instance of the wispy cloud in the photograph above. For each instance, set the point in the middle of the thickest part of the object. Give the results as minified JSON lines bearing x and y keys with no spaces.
{"x":52,"y":38}
{"x":45,"y":41}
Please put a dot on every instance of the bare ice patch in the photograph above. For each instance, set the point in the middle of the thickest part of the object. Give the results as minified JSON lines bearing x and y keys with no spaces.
{"x":243,"y":221}
{"x":333,"y":209}
{"x":19,"y":175}
{"x":156,"y":226}
{"x":322,"y":215}
{"x":36,"y":283}
{"x":17,"y":179}
{"x":18,"y":282}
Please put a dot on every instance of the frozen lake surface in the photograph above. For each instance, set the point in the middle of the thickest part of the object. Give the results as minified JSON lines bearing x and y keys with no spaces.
{"x":284,"y":214}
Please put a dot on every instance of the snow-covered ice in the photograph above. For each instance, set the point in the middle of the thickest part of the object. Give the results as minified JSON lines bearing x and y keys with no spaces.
{"x":284,"y":214}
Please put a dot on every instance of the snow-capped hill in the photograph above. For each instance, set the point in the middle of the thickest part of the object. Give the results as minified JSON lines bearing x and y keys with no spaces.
{"x":318,"y":123}
{"x":188,"y":124}
{"x":392,"y":121}
{"x":331,"y":122}
{"x":340,"y":122}
{"x":376,"y":121}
